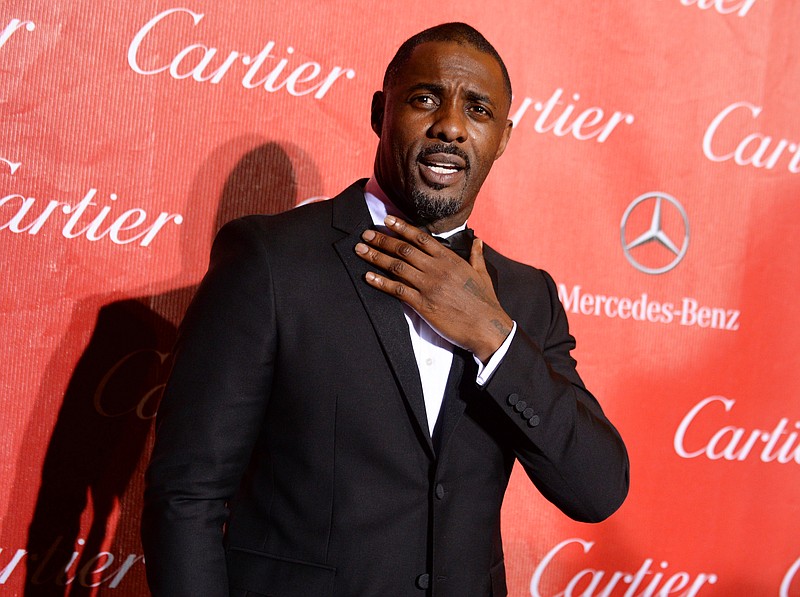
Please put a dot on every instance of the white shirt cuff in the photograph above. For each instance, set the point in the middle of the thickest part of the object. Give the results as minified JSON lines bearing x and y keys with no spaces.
{"x":485,"y":371}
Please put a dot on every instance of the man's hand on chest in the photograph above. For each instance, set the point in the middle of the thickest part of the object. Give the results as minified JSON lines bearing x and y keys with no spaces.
{"x":455,"y":297}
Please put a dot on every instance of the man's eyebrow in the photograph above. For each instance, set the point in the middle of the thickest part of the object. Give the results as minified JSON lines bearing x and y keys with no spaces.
{"x":432,"y":87}
{"x":482,"y":98}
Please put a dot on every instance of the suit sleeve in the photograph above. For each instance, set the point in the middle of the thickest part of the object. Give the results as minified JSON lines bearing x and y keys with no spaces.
{"x":560,"y":435}
{"x":209,"y":417}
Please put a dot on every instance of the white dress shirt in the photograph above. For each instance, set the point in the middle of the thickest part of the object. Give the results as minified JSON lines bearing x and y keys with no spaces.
{"x":434,"y":354}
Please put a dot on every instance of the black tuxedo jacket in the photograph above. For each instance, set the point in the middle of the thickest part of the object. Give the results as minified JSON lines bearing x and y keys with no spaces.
{"x":292,"y":453}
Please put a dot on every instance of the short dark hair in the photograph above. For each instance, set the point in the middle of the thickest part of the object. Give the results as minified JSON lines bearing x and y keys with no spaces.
{"x":459,"y":33}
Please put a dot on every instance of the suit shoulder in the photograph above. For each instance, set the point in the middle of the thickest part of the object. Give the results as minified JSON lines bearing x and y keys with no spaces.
{"x":509,"y":268}
{"x":305,"y":221}
{"x":288,"y":222}
{"x":530,"y":296}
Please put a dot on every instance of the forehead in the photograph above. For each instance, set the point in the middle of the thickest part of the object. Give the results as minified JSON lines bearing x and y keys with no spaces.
{"x":452,"y":64}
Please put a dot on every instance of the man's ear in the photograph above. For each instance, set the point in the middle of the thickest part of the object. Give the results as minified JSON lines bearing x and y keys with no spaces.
{"x":504,"y":140}
{"x":376,"y":116}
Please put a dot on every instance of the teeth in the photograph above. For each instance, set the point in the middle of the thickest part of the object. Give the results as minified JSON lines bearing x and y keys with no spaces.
{"x":443,"y":169}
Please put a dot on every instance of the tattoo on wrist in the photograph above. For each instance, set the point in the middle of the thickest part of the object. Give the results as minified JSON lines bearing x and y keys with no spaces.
{"x":503,"y":329}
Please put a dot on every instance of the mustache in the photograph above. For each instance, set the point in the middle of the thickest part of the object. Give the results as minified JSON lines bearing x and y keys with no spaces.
{"x":444,"y":148}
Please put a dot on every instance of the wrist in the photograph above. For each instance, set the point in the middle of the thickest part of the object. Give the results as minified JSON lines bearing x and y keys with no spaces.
{"x":496,"y":330}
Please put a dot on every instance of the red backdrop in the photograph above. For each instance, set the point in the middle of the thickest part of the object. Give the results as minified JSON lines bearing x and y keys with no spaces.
{"x":652,"y":170}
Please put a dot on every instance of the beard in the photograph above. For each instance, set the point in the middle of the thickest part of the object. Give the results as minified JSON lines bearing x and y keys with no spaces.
{"x":431,"y":208}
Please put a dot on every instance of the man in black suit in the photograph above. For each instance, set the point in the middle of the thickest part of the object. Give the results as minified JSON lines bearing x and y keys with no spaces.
{"x":349,"y":395}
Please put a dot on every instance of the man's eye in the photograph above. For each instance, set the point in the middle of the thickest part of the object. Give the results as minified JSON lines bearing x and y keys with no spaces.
{"x":425,"y":100}
{"x":480,"y":110}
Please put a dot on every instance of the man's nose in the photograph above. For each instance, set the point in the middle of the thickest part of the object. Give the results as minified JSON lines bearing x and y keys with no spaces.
{"x":449,"y":124}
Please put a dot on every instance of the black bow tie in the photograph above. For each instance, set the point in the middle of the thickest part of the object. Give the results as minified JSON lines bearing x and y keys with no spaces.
{"x":460,"y":242}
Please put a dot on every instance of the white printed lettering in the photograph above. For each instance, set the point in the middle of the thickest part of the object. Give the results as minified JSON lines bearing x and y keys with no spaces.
{"x":646,"y":309}
{"x":755,"y":149}
{"x":786,"y":583}
{"x":724,"y":7}
{"x":13,"y":26}
{"x":194,"y":61}
{"x":587,"y":124}
{"x":589,"y":582}
{"x":16,"y":208}
{"x":735,"y":443}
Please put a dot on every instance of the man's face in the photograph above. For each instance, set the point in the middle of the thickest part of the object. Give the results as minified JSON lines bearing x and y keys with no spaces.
{"x":441,"y":125}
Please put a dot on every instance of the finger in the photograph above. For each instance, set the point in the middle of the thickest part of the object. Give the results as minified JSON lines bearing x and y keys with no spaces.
{"x":394,"y":288}
{"x":427,"y":244}
{"x":400,"y":269}
{"x":416,"y":236}
{"x":476,"y":259}
{"x":395,"y":247}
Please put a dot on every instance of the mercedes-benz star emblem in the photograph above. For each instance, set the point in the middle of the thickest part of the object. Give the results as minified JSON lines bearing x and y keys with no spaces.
{"x":663,"y":231}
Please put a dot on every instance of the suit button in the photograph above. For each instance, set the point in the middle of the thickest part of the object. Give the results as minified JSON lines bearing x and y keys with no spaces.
{"x":533,"y":421}
{"x":520,"y":406}
{"x":439,"y":490}
{"x":423,"y":581}
{"x":527,"y":413}
{"x":513,"y":399}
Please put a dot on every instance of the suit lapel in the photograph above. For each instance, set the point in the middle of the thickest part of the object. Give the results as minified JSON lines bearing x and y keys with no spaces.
{"x":350,"y":215}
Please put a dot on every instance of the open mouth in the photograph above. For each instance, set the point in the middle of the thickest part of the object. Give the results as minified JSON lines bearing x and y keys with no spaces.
{"x":442,"y":169}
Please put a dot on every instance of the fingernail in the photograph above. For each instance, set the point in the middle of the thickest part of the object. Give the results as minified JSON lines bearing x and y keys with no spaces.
{"x":368,"y":234}
{"x":369,"y":276}
{"x":361,"y":248}
{"x":390,"y":220}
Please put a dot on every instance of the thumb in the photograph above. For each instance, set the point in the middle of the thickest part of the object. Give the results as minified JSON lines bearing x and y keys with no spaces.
{"x":476,"y":259}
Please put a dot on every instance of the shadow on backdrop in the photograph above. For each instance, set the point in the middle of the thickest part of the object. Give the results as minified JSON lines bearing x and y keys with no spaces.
{"x":92,"y":477}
